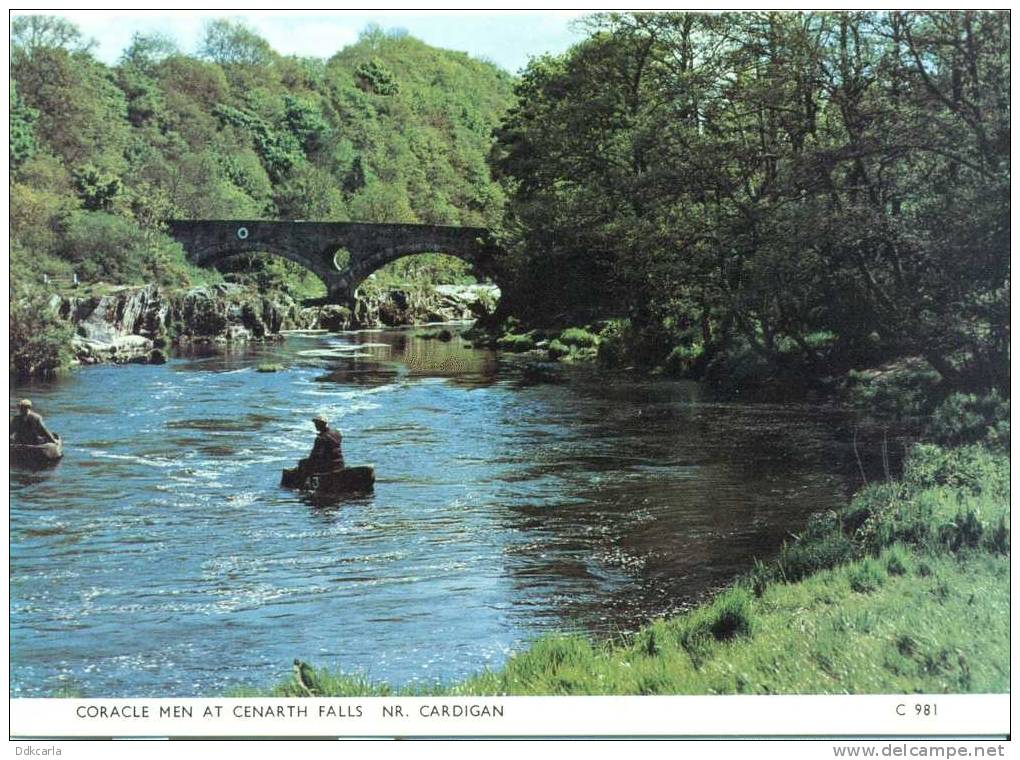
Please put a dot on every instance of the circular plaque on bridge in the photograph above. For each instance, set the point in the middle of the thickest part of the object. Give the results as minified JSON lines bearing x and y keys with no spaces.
{"x":242,"y":233}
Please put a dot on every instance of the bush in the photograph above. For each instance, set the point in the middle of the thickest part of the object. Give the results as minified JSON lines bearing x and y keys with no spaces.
{"x":903,"y":388}
{"x":35,"y":214}
{"x":867,"y":576}
{"x":998,"y":540}
{"x":375,"y":77}
{"x":682,"y":360}
{"x":612,"y":344}
{"x":111,"y":248}
{"x":973,"y":469}
{"x":576,"y":336}
{"x":739,"y":366}
{"x":516,"y":343}
{"x":557,"y":350}
{"x":898,"y":560}
{"x":967,"y":418}
{"x":578,"y":355}
{"x":965,"y":530}
{"x":98,"y":190}
{"x":953,"y":499}
{"x":39,"y":339}
{"x":949,"y":498}
{"x":809,"y":555}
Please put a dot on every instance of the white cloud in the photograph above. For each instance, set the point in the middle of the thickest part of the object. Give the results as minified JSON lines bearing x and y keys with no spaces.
{"x":320,"y":37}
{"x":112,"y":30}
{"x":507,"y":37}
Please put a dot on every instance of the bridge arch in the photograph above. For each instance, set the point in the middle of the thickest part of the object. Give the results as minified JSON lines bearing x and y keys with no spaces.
{"x":313,"y":245}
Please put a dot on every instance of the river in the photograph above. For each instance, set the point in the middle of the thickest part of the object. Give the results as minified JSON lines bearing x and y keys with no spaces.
{"x":161,"y":557}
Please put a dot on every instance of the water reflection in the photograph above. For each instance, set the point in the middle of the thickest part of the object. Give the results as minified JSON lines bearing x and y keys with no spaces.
{"x":163,"y":557}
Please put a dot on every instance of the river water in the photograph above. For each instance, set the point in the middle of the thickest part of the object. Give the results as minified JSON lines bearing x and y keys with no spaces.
{"x":161,"y":557}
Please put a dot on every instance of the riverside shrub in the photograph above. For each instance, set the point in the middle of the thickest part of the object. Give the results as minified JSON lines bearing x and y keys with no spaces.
{"x":577,"y":336}
{"x":39,"y":339}
{"x":970,"y":418}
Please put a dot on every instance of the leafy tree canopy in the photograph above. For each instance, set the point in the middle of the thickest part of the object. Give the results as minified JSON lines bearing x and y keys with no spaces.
{"x":103,"y":155}
{"x":748,"y":181}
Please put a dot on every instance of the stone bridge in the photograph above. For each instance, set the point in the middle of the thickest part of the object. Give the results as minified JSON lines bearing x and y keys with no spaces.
{"x":314,"y":245}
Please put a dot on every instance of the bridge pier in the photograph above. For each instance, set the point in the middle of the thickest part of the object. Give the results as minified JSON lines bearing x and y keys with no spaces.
{"x":341,"y":295}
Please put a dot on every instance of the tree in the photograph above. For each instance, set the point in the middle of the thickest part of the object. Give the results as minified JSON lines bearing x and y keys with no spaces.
{"x":235,"y":43}
{"x":82,"y":113}
{"x":310,"y":193}
{"x":383,"y":203}
{"x":375,"y":77}
{"x":32,"y":33}
{"x":22,"y":135}
{"x":39,"y":339}
{"x":279,"y":148}
{"x":147,"y":51}
{"x":305,"y":121}
{"x":764,"y":178}
{"x":98,"y":190}
{"x":103,"y":156}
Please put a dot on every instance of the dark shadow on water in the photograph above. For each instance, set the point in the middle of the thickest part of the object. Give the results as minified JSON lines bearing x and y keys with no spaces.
{"x":329,"y":507}
{"x":358,"y":373}
{"x":397,"y":354}
{"x":24,"y":476}
{"x":227,"y":424}
{"x":555,"y":497}
{"x":217,"y":451}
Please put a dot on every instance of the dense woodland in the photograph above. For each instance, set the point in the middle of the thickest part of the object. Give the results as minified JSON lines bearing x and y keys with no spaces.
{"x":740,"y":192}
{"x":387,"y":130}
{"x":823,"y":189}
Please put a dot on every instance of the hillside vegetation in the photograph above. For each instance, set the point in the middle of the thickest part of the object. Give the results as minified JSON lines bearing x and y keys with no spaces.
{"x":387,"y":130}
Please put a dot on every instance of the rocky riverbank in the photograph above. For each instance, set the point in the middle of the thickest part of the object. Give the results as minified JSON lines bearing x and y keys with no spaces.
{"x":139,"y":324}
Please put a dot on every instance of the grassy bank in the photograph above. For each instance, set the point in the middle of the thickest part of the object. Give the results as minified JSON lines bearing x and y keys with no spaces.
{"x":906,"y":589}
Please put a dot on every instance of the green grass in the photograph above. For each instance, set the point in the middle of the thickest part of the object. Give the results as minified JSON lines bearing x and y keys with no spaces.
{"x":904,"y":590}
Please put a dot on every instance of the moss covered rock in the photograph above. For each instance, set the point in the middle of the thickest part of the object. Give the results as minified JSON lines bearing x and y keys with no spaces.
{"x":516,"y":343}
{"x":557,"y":350}
{"x":579,"y":337}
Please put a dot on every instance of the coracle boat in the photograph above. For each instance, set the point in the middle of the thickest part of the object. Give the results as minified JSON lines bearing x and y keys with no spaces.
{"x":348,"y":480}
{"x":36,"y":457}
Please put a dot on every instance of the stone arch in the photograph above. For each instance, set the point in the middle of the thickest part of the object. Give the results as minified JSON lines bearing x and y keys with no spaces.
{"x":329,"y":275}
{"x":358,"y":271}
{"x":314,"y":244}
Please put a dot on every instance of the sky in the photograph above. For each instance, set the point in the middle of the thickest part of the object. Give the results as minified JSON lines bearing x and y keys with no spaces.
{"x":507,"y":38}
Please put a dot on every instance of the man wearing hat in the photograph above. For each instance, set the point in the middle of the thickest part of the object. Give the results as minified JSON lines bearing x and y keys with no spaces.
{"x":326,"y":455}
{"x":27,"y":427}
